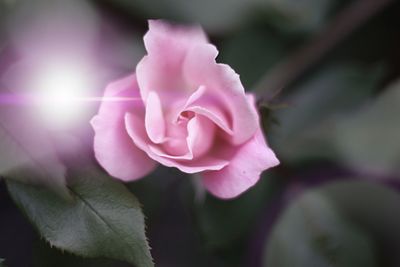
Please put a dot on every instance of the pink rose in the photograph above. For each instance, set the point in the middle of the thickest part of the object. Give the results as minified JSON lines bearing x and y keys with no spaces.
{"x":183,"y":110}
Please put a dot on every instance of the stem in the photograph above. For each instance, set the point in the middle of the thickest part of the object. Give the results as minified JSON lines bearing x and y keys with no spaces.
{"x":290,"y":69}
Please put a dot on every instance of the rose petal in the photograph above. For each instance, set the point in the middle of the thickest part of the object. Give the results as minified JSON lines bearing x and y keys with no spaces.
{"x":175,"y":144}
{"x":137,"y":132}
{"x":203,"y":103}
{"x":113,"y":147}
{"x":167,"y":46}
{"x":154,"y":118}
{"x":159,"y":152}
{"x":243,"y":171}
{"x":200,"y":68}
{"x":201,"y":134}
{"x":162,"y":34}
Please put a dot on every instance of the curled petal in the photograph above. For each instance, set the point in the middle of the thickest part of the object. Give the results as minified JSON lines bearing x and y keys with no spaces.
{"x":200,"y":68}
{"x":201,"y":135}
{"x":204,"y":103}
{"x":137,"y":132}
{"x":244,"y":169}
{"x":113,"y":147}
{"x":161,"y":70}
{"x":162,"y":35}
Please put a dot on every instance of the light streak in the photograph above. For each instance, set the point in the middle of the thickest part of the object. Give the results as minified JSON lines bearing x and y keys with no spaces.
{"x":29,"y":99}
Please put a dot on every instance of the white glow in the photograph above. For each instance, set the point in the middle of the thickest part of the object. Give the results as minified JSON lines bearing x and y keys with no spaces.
{"x":59,"y":89}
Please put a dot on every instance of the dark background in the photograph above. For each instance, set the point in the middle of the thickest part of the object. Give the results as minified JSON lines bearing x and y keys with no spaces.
{"x":334,"y":125}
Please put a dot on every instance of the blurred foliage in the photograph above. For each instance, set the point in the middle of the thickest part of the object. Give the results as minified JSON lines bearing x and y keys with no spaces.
{"x":340,"y":224}
{"x":29,"y":150}
{"x":73,"y":29}
{"x":252,"y":59}
{"x":168,"y":201}
{"x":291,"y":15}
{"x":311,"y":232}
{"x":367,"y":140}
{"x":226,"y":223}
{"x":2,"y":21}
{"x":306,"y":126}
{"x":207,"y":12}
{"x":226,"y":227}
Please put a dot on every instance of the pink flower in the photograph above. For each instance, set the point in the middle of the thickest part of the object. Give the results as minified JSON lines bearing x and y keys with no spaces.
{"x":183,"y":110}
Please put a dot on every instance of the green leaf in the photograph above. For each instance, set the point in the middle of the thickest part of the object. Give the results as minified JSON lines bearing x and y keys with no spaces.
{"x":306,"y":127}
{"x":375,"y":208}
{"x":2,"y":263}
{"x":313,"y":232}
{"x":104,"y":219}
{"x":367,"y":140}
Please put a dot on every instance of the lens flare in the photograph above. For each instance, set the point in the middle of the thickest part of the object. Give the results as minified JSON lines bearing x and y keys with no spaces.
{"x":58,"y":89}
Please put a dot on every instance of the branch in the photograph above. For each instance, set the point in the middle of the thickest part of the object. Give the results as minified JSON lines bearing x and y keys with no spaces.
{"x":290,"y":69}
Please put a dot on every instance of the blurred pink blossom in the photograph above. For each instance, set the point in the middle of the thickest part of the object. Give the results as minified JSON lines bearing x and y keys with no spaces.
{"x":183,"y":110}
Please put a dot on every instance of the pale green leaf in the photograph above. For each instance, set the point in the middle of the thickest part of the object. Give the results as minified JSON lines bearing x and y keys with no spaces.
{"x":313,"y":232}
{"x":374,"y":207}
{"x":368,"y":139}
